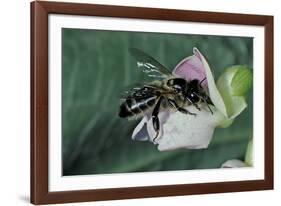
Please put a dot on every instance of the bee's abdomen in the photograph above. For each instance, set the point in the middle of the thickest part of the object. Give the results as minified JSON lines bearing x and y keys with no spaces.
{"x":132,"y":107}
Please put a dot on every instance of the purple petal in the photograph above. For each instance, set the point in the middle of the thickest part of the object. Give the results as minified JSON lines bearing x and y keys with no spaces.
{"x":191,"y":68}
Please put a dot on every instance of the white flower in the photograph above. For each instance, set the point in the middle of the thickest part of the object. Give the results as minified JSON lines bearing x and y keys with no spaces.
{"x":238,"y":163}
{"x":234,"y":163}
{"x":178,"y":130}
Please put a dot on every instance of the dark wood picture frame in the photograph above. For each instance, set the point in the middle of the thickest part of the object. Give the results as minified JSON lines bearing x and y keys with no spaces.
{"x":39,"y":102}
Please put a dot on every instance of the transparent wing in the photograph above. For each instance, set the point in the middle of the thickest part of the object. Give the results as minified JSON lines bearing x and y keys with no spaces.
{"x":139,"y":91}
{"x":149,"y":65}
{"x":128,"y":91}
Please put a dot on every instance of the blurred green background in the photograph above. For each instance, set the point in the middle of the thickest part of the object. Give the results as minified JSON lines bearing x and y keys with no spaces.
{"x":97,"y":67}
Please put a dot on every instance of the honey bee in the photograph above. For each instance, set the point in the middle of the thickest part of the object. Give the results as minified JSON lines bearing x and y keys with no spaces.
{"x":168,"y":92}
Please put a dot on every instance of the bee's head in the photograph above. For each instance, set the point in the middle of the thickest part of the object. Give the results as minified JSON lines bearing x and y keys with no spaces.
{"x":178,"y":85}
{"x":193,"y":91}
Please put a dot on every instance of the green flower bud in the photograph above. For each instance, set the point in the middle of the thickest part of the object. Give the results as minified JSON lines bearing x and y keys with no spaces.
{"x":232,"y":85}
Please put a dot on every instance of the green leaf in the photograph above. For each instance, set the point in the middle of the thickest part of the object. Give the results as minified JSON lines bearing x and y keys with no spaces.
{"x":242,"y":81}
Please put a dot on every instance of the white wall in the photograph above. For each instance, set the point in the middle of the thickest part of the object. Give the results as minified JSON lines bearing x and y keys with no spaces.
{"x":14,"y":110}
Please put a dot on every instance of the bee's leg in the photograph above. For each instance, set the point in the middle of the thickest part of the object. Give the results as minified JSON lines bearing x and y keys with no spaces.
{"x":208,"y":101}
{"x":180,"y":109}
{"x":155,"y":119}
{"x":197,"y":107}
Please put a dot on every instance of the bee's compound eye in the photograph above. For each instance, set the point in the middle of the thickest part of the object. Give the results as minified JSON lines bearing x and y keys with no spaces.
{"x":177,"y":88}
{"x":193,"y":97}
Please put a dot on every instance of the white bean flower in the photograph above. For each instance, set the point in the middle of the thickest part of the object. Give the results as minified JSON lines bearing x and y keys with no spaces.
{"x":178,"y":130}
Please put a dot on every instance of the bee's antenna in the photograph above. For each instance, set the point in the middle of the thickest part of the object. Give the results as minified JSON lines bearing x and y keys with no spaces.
{"x":202,"y":81}
{"x":208,"y":105}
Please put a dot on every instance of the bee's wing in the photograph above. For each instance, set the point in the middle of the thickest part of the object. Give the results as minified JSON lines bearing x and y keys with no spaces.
{"x":128,"y":91}
{"x":149,"y":65}
{"x":139,"y":91}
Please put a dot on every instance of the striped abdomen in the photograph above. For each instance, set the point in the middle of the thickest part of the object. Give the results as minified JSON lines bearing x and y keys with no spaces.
{"x":137,"y":106}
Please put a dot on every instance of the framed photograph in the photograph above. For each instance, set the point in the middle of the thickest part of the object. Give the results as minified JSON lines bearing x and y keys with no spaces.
{"x":131,"y":102}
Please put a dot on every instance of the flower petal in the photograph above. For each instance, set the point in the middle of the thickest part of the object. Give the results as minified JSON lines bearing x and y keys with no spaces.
{"x":140,"y":132}
{"x":187,"y":131}
{"x":213,"y":90}
{"x":233,"y":163}
{"x":191,"y":68}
